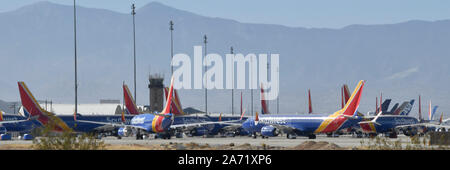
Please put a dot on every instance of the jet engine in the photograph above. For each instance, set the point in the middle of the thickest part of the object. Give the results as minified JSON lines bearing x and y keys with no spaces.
{"x":124,"y":132}
{"x":269,"y":131}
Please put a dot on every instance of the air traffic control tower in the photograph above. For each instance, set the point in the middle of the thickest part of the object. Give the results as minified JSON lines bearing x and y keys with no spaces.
{"x":156,"y":92}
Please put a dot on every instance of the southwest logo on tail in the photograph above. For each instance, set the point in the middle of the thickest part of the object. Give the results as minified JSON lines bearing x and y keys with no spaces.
{"x":129,"y":102}
{"x":31,"y":107}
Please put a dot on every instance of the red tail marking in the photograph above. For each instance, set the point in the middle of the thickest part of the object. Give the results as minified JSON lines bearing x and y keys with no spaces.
{"x":376,"y":107}
{"x":381,"y":101}
{"x":169,"y":100}
{"x":1,"y":115}
{"x":342,"y":97}
{"x":353,"y":104}
{"x":176,"y":105}
{"x":309,"y":102}
{"x":242,"y":115}
{"x":346,"y":93}
{"x":129,"y":102}
{"x":429,"y":111}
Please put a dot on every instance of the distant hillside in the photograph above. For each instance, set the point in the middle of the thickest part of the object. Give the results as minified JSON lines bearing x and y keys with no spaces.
{"x":401,"y":60}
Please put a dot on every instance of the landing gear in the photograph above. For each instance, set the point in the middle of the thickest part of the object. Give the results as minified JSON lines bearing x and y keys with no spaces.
{"x":139,"y":136}
{"x":179,"y":135}
{"x":312,"y":136}
{"x":329,"y":135}
{"x":291,"y":136}
{"x":372,"y":135}
{"x":393,"y":135}
{"x":254,"y":135}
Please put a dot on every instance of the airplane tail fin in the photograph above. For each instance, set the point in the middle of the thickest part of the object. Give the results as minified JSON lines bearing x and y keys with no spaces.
{"x":167,"y":108}
{"x":440,"y":119}
{"x":429,"y":111}
{"x":342,"y":97}
{"x":176,"y":105}
{"x":351,"y":107}
{"x":433,"y":112}
{"x":368,"y":127}
{"x":220,"y":117}
{"x":30,"y":105}
{"x":1,"y":115}
{"x":309,"y":102}
{"x":32,"y":108}
{"x":385,"y":105}
{"x":264,"y":108}
{"x":404,"y":109}
{"x":394,"y":108}
{"x":130,"y":105}
{"x":256,"y":116}
{"x":242,"y":115}
{"x":346,"y":93}
{"x":376,"y":105}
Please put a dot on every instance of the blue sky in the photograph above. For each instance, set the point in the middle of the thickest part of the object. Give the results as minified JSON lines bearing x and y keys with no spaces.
{"x":295,"y":13}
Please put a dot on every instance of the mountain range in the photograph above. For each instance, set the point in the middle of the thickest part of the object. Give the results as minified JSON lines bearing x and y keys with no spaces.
{"x":400,"y":60}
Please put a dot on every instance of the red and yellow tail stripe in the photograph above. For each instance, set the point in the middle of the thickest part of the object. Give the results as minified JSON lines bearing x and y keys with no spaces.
{"x":176,"y":105}
{"x":129,"y":101}
{"x":169,"y":99}
{"x":1,"y":115}
{"x":33,"y":108}
{"x":334,"y":121}
{"x":157,"y":124}
{"x":368,"y":127}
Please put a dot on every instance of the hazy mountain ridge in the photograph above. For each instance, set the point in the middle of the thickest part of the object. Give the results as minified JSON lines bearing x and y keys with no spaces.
{"x":402,"y":60}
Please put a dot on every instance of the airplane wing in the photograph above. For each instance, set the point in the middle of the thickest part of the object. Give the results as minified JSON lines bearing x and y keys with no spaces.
{"x":111,"y":124}
{"x":204,"y":123}
{"x":284,"y":128}
{"x":13,"y":121}
{"x":423,"y":124}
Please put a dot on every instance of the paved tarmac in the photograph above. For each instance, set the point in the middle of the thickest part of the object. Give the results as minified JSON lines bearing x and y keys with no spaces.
{"x":282,"y":141}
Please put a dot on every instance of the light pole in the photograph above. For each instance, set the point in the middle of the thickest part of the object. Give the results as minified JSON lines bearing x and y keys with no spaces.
{"x":206,"y":77}
{"x":251,"y":84}
{"x":171,"y":54}
{"x":75,"y":56}
{"x":133,"y":12}
{"x":232,"y":86}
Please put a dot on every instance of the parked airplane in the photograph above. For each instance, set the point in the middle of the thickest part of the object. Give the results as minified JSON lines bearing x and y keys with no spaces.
{"x":180,"y":117}
{"x":305,"y":125}
{"x":425,"y":126}
{"x":14,"y":123}
{"x":146,"y":123}
{"x":40,"y":117}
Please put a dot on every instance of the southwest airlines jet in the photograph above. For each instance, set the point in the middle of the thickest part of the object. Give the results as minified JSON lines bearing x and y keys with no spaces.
{"x":306,"y":125}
